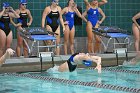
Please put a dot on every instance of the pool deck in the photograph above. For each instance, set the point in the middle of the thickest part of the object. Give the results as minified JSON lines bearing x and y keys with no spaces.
{"x":22,"y":64}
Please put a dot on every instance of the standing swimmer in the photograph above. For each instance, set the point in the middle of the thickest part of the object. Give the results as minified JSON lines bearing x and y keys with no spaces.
{"x":6,"y":35}
{"x":69,"y":13}
{"x":52,"y":15}
{"x":23,"y":22}
{"x":92,"y":12}
{"x":136,"y":30}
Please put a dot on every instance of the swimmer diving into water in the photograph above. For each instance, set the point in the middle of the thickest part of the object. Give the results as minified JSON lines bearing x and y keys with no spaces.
{"x":78,"y":58}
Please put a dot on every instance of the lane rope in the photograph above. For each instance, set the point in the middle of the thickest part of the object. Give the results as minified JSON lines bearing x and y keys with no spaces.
{"x":77,"y":82}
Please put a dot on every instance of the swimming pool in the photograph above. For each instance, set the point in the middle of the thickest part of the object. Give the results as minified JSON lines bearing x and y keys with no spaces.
{"x":10,"y":84}
{"x":84,"y":80}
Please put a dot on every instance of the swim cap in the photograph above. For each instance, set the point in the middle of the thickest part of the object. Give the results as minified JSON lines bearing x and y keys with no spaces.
{"x":87,"y":62}
{"x":6,"y":4}
{"x":23,"y":1}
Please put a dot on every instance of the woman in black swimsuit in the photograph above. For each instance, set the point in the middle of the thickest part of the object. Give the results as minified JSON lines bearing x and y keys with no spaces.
{"x":52,"y":15}
{"x":25,"y":20}
{"x":6,"y":16}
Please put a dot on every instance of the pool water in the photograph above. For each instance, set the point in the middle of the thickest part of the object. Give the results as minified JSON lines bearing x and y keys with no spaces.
{"x":106,"y":77}
{"x":9,"y":84}
{"x":135,"y":68}
{"x":21,"y":84}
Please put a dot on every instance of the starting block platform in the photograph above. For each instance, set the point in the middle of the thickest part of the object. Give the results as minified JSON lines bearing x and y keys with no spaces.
{"x":35,"y":35}
{"x":113,"y":34}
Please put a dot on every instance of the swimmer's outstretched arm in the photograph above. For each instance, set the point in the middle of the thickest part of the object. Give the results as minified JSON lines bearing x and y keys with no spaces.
{"x":95,"y":59}
{"x":137,"y":16}
{"x":7,"y":54}
{"x":102,"y":2}
{"x":83,"y":16}
{"x":99,"y":4}
{"x":87,"y":3}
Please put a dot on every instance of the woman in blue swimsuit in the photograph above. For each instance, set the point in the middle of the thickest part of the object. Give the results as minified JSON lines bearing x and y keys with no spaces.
{"x":93,"y":21}
{"x":69,"y":13}
{"x":136,"y":30}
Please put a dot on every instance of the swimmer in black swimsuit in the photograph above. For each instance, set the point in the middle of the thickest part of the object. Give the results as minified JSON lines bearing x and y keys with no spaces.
{"x":25,"y":20}
{"x":6,"y":16}
{"x":52,"y":15}
{"x":79,"y":58}
{"x":136,"y":30}
{"x":53,"y":19}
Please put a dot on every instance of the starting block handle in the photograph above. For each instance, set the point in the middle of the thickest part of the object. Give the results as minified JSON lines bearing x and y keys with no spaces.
{"x":40,"y":62}
{"x":52,"y":55}
{"x":120,"y":51}
{"x":46,"y":54}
